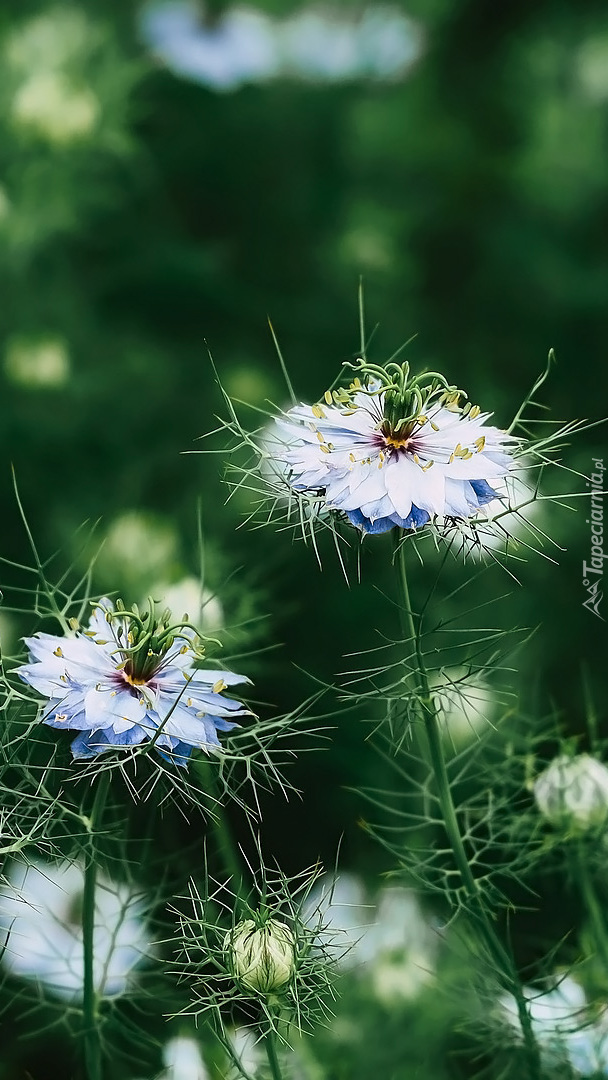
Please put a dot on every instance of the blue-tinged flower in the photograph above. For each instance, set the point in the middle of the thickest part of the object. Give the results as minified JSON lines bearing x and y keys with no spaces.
{"x":394,"y":451}
{"x":129,"y":679}
{"x":41,"y":929}
{"x":560,"y":1019}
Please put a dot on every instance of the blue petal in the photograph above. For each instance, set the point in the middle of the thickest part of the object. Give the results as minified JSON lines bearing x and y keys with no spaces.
{"x":483,"y":491}
{"x":380,"y":525}
{"x":91,"y":743}
{"x":415,"y":519}
{"x":179,"y":754}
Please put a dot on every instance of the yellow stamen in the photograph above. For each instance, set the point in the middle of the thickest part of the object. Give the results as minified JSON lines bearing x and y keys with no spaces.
{"x":480,"y":443}
{"x":320,"y":437}
{"x":57,"y":651}
{"x":318,"y":412}
{"x":328,"y":397}
{"x":132,"y":681}
{"x":397,"y":442}
{"x":218,"y":686}
{"x":475,"y":411}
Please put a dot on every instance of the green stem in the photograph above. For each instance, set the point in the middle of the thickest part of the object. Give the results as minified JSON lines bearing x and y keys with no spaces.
{"x":90,"y":1002}
{"x":225,"y":846}
{"x":273,"y":1060}
{"x":497,"y":951}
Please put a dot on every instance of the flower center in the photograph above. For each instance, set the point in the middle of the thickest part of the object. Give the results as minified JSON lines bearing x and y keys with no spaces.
{"x":133,"y":680}
{"x":397,"y":442}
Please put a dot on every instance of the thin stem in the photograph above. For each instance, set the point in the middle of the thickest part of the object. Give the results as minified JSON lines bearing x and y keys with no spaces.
{"x":273,"y":1060}
{"x":225,"y":846}
{"x":498,"y":952}
{"x":90,"y":1013}
{"x":594,"y":910}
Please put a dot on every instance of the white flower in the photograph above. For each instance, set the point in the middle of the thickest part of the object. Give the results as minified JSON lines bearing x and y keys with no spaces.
{"x":337,"y":912}
{"x":182,"y":1060}
{"x":390,"y":943}
{"x":239,"y":48}
{"x":138,"y":546}
{"x":51,"y":106}
{"x":244,"y":45}
{"x":464,"y":708}
{"x":246,"y":1046}
{"x":560,"y":1023}
{"x":190,"y":597}
{"x":41,"y":930}
{"x":42,"y":363}
{"x":389,"y":459}
{"x":261,"y":957}
{"x":573,"y":792}
{"x":126,"y":680}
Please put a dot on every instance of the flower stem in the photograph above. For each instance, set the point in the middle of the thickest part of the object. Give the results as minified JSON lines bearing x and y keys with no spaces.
{"x":498,"y":953}
{"x":273,"y":1060}
{"x":226,"y":849}
{"x":90,"y":1013}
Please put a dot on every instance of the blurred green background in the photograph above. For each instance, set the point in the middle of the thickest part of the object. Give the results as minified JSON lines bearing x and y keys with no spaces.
{"x":169,"y":178}
{"x":152,"y":210}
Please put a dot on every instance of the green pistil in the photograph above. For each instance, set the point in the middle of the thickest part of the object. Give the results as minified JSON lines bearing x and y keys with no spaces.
{"x":406,"y":398}
{"x":144,"y":640}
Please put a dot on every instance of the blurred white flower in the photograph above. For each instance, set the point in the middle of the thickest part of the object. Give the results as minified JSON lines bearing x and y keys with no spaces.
{"x":49,"y":41}
{"x":389,"y":943}
{"x":190,"y":597}
{"x":573,"y":792}
{"x":182,"y":1060}
{"x":337,"y":911}
{"x":37,"y":363}
{"x":41,"y":930}
{"x":592,"y":67}
{"x":138,"y":547}
{"x":239,"y":48}
{"x":247,"y":1049}
{"x":464,"y":708}
{"x":51,"y":106}
{"x":245,"y":45}
{"x":561,"y":1025}
{"x":323,"y":44}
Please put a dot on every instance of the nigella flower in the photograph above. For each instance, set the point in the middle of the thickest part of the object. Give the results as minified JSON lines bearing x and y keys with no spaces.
{"x":561,"y":1023}
{"x":129,"y":679}
{"x":41,"y":929}
{"x":391,"y":943}
{"x":394,"y":451}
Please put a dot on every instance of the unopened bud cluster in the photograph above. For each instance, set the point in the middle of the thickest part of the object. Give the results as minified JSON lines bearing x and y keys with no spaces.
{"x":572,"y":793}
{"x":261,"y":956}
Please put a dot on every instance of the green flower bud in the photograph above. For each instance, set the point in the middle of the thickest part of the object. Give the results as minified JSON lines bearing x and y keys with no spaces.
{"x":261,"y":957}
{"x":572,"y":792}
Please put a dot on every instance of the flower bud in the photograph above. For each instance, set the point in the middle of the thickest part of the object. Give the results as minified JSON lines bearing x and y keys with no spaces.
{"x":261,"y":957}
{"x":573,"y":792}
